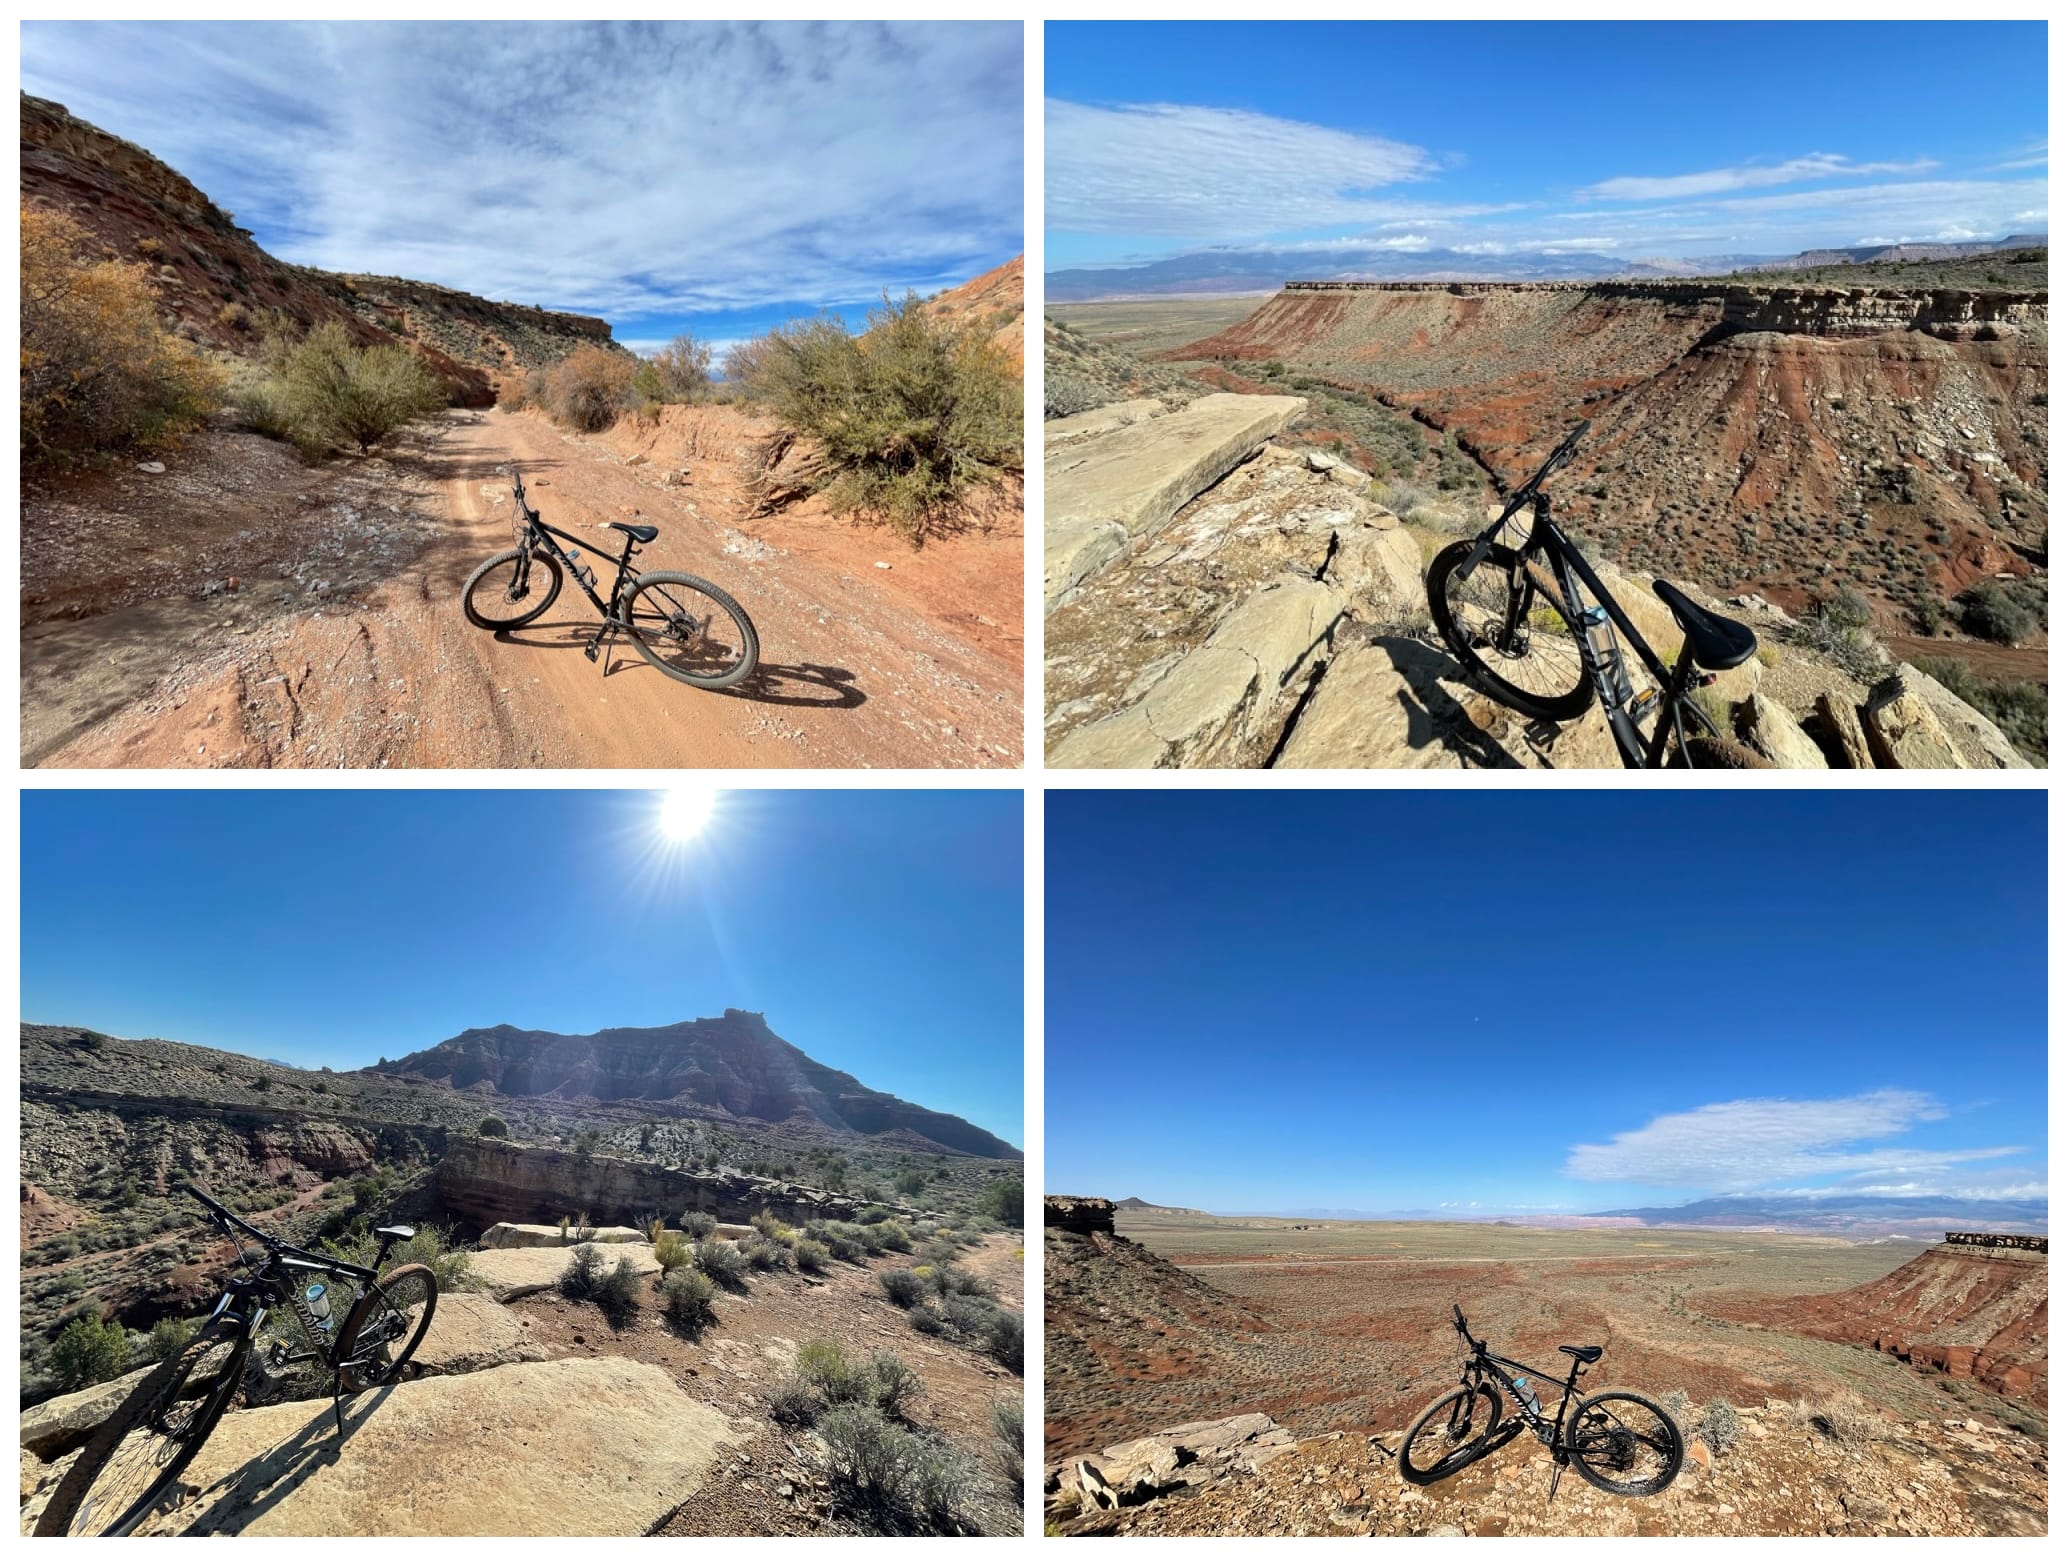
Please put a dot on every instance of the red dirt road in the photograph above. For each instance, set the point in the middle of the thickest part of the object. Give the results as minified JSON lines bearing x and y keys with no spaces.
{"x":914,"y":665}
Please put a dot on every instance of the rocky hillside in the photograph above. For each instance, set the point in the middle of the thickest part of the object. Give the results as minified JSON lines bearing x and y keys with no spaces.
{"x":1971,"y":1313}
{"x":732,"y":1064}
{"x":998,"y":299}
{"x":1219,"y":595}
{"x":1790,"y":1469}
{"x":218,"y":285}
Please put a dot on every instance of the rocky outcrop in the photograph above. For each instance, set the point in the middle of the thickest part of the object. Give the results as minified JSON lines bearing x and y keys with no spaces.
{"x":537,"y":1235}
{"x":506,"y":1275}
{"x":63,"y":1422}
{"x":732,"y":1063}
{"x":1105,"y":493}
{"x":598,"y":1448}
{"x":1195,"y":1454}
{"x":1903,"y":731}
{"x":470,"y":1332}
{"x":492,"y":1181}
{"x":1077,"y":1213}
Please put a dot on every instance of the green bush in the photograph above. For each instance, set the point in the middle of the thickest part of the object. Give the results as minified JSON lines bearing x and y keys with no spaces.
{"x":906,"y":418}
{"x":168,"y":1336}
{"x":766,"y":1254}
{"x":894,"y":1237}
{"x":1005,"y":1340}
{"x":1992,"y":611}
{"x":671,"y":1250}
{"x":773,"y":1227}
{"x":682,"y":369}
{"x":1009,"y":1439}
{"x":794,"y":1403}
{"x":1004,"y":1201}
{"x":698,"y":1224}
{"x":2017,"y":708}
{"x":432,"y":1246}
{"x":491,"y":1126}
{"x":928,"y":1320}
{"x":722,"y":1261}
{"x":99,"y":374}
{"x":89,"y":1351}
{"x":898,"y":1476}
{"x":811,"y":1255}
{"x":891,"y":1383}
{"x":901,"y":1286}
{"x":324,"y":391}
{"x":686,"y":1297}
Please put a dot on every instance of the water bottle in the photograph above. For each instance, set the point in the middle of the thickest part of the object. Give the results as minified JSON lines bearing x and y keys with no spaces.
{"x":1528,"y":1395}
{"x":1603,"y":650}
{"x":317,"y":1300}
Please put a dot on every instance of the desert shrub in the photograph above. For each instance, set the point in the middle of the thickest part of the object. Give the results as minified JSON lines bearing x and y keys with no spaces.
{"x":1844,"y":1418}
{"x":517,"y":391}
{"x":794,"y":1402}
{"x":721,"y":1261}
{"x":1678,"y":1406}
{"x":891,"y":1383}
{"x":840,"y":1240}
{"x":491,"y":1126}
{"x":698,"y":1224}
{"x":89,"y":1351}
{"x":168,"y":1336}
{"x":1004,"y":1202}
{"x":1719,"y":1427}
{"x":894,"y":1237}
{"x":967,"y":1315}
{"x":432,"y":1246}
{"x":928,"y":1320}
{"x":1838,"y":627}
{"x":1005,"y":1340}
{"x":99,"y":374}
{"x":950,"y":1279}
{"x":671,"y":1250}
{"x":906,"y":418}
{"x":686,"y":1300}
{"x":909,"y":1183}
{"x":324,"y":391}
{"x":2017,"y":708}
{"x":811,"y":1255}
{"x":1989,"y":610}
{"x":898,"y":1476}
{"x":824,"y":1366}
{"x":589,"y":388}
{"x":1009,"y":1438}
{"x":1065,"y":394}
{"x":902,"y":1287}
{"x":765,"y":1254}
{"x":683,"y":368}
{"x":774,"y":1228}
{"x":234,"y":316}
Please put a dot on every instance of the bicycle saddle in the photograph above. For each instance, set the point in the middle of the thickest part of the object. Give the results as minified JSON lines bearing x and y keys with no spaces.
{"x":638,"y":532}
{"x":1716,"y":642}
{"x":403,"y":1233}
{"x":1583,"y":1353}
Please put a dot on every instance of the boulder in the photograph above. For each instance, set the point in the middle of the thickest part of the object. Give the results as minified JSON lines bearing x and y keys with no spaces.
{"x":1377,"y":558}
{"x":576,"y":1448}
{"x":1105,"y":492}
{"x":536,"y":1235}
{"x":1902,"y":730}
{"x":1981,"y":744}
{"x":509,"y":1274}
{"x":1841,"y":718}
{"x":1218,"y":704}
{"x":1102,"y":419}
{"x":470,"y":1332}
{"x":60,"y":1424}
{"x":1771,"y":730}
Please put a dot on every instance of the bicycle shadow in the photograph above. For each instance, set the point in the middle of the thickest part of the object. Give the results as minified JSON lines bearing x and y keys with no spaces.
{"x":1492,"y":1443}
{"x":1433,"y":714}
{"x":263,"y":1482}
{"x":793,"y":686}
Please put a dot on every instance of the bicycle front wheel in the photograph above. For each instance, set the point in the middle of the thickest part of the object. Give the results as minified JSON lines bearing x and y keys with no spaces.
{"x":386,"y":1326}
{"x":1451,"y":1434}
{"x":691,"y":630}
{"x":137,"y":1454}
{"x":1507,"y":624}
{"x":1625,"y":1443}
{"x":511,"y":589}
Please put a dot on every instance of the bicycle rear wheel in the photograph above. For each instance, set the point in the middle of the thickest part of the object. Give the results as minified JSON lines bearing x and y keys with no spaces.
{"x":691,"y":630}
{"x":386,"y":1326}
{"x":1533,"y":665}
{"x":1451,"y":1434}
{"x":134,"y":1458}
{"x":1625,"y":1443}
{"x":510,"y":590}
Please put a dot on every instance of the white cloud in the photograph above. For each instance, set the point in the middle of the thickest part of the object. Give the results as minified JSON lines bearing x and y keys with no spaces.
{"x":1758,"y":1142}
{"x":1213,"y":174}
{"x":2032,"y":157}
{"x":1683,"y":186}
{"x":627,"y":170}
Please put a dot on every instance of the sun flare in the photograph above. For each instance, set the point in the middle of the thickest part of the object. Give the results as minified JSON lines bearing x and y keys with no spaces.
{"x":685,"y":810}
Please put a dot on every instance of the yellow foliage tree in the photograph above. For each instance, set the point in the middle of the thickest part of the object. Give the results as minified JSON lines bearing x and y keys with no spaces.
{"x":99,"y":374}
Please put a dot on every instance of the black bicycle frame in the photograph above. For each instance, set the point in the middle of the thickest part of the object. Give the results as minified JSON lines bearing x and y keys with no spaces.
{"x":1487,"y":1362}
{"x":537,"y":532}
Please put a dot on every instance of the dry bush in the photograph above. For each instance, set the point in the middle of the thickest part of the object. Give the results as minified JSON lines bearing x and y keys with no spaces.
{"x":589,"y":388}
{"x":684,"y":369}
{"x":99,"y":375}
{"x":325,"y":391}
{"x":1845,"y":1418}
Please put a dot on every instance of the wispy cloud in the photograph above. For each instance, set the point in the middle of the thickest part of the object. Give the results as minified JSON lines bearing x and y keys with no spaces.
{"x":1214,"y":175}
{"x":1762,"y":1142}
{"x":1683,"y":186}
{"x":2031,"y":157}
{"x":630,"y":170}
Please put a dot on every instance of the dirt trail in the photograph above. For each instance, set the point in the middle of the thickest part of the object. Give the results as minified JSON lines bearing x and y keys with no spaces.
{"x":914,"y":665}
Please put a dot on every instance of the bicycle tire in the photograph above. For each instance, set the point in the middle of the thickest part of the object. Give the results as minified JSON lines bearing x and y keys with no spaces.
{"x":72,"y":1510}
{"x":648,"y":601}
{"x":1672,"y":1451}
{"x":1561,"y":702}
{"x":1467,"y":1449}
{"x":369,"y":1309}
{"x":499,"y":623}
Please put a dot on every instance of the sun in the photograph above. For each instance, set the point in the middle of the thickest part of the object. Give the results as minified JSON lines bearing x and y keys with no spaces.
{"x":685,"y":810}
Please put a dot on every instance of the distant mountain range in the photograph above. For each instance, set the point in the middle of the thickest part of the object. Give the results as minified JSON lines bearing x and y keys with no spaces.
{"x":1223,"y":271}
{"x":1848,"y":1215}
{"x":731,"y":1062}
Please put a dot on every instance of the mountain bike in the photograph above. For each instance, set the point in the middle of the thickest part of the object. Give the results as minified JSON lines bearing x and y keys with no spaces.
{"x":685,"y":626}
{"x":1515,"y":618}
{"x":1621,"y":1441}
{"x":361,"y":1323}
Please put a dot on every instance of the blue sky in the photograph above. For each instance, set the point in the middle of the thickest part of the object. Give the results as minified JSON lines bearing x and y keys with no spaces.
{"x":1399,"y":1002}
{"x":667,"y":176}
{"x":1642,"y":140}
{"x":879,"y":931}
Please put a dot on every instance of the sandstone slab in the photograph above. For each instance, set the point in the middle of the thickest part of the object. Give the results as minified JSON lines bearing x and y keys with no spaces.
{"x":64,"y":1422}
{"x":1771,"y":730}
{"x":1981,"y":744}
{"x":608,"y":1447}
{"x":1104,"y":492}
{"x":470,"y":1332}
{"x":1100,"y":419}
{"x":1902,"y":728}
{"x":1841,"y":717}
{"x":536,"y":1235}
{"x":508,"y":1274}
